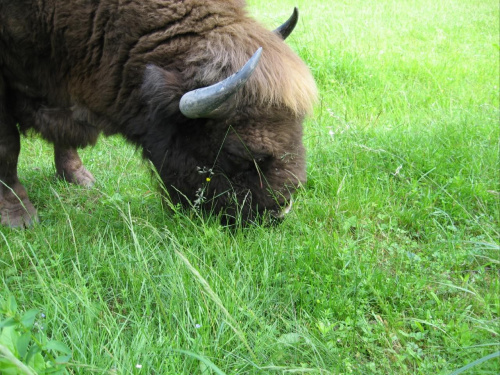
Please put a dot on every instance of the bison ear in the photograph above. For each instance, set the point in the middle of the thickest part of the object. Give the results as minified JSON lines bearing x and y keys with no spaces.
{"x":162,"y":90}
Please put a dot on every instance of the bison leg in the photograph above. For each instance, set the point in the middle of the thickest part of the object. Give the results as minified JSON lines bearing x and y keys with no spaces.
{"x":16,"y":209}
{"x":69,"y":166}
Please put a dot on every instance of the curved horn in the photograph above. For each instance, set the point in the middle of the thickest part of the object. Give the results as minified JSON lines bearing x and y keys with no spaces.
{"x":287,"y":28}
{"x":200,"y":103}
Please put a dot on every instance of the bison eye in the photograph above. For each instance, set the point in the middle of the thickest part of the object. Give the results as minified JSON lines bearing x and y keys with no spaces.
{"x":235,"y":163}
{"x":244,"y":161}
{"x":248,"y":156}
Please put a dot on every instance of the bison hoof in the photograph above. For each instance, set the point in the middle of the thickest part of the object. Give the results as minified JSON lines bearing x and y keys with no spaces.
{"x":80,"y":176}
{"x":20,"y":215}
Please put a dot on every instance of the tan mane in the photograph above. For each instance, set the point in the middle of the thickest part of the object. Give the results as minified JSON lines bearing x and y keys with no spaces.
{"x":281,"y":78}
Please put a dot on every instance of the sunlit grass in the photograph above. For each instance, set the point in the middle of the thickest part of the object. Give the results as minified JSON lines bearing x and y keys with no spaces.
{"x":388,"y":263}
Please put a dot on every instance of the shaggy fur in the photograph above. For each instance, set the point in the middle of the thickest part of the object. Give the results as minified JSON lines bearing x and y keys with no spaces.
{"x":74,"y":69}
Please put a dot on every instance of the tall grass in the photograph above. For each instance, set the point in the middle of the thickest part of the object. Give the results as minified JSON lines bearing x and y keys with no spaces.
{"x":388,"y":263}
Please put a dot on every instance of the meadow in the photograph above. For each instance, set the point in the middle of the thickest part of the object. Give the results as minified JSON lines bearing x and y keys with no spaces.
{"x":388,"y":263}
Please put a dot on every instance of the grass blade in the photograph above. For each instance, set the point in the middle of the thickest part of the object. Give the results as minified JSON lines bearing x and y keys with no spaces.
{"x":475,"y":363}
{"x":200,"y":358}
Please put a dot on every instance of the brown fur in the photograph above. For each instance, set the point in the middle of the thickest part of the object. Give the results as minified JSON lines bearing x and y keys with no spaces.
{"x":71,"y":70}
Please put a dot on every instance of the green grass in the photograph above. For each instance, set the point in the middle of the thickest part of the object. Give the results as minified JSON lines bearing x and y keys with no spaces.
{"x":388,"y":264}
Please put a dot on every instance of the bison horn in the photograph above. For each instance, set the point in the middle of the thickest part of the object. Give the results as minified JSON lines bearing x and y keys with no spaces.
{"x":201,"y":103}
{"x":286,"y":29}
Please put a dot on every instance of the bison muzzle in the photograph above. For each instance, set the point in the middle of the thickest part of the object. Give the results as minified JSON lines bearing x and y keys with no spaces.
{"x":215,"y":101}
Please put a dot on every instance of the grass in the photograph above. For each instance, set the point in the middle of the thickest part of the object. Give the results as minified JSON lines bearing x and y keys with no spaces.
{"x":388,"y":264}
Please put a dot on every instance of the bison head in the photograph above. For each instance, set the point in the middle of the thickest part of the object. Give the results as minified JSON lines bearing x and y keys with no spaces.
{"x":227,"y":142}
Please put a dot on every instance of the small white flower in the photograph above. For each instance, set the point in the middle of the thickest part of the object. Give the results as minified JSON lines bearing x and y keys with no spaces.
{"x":138,"y":366}
{"x":198,"y":326}
{"x":398,"y":169}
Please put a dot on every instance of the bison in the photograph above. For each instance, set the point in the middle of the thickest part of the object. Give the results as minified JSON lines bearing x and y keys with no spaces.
{"x":214,"y":100}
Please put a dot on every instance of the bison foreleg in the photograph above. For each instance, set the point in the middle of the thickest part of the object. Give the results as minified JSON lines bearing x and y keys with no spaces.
{"x":69,"y":166}
{"x":16,"y":209}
